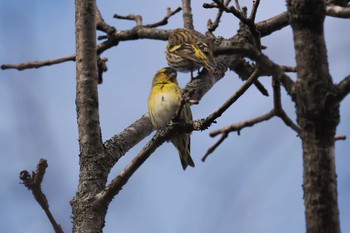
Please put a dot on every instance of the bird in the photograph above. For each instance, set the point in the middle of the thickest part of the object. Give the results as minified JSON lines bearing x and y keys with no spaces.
{"x":163,"y":103}
{"x":188,"y":50}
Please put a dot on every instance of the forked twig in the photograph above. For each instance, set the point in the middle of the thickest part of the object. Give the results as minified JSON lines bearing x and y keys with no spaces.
{"x":33,"y":183}
{"x":164,"y":21}
{"x":213,"y":26}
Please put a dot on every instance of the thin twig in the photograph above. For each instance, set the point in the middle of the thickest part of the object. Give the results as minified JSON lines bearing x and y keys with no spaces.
{"x":33,"y":183}
{"x":234,"y":97}
{"x":238,"y":6}
{"x":213,"y":147}
{"x":254,"y":10}
{"x":268,"y":66}
{"x":343,"y":89}
{"x":136,"y":18}
{"x":164,"y":21}
{"x":102,"y":25}
{"x":235,"y":127}
{"x":242,"y":16}
{"x":101,"y":67}
{"x":38,"y":64}
{"x":279,"y":111}
{"x":243,"y":124}
{"x":340,"y":138}
{"x":213,"y":26}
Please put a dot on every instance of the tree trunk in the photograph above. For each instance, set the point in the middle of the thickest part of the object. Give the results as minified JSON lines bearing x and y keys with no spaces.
{"x":87,"y":217}
{"x":317,"y":115}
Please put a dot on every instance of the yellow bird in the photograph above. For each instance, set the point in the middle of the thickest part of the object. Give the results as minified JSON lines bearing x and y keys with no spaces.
{"x":163,"y":102}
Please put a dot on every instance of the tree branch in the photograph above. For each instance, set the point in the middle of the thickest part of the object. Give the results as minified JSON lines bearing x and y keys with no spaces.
{"x":340,"y":138}
{"x":276,"y":111}
{"x":235,"y":127}
{"x":235,"y":96}
{"x":241,"y":15}
{"x":33,"y":183}
{"x":93,"y":172}
{"x":164,"y":21}
{"x":254,"y":10}
{"x":38,"y":64}
{"x":243,"y":124}
{"x":187,"y":14}
{"x":343,"y":89}
{"x":268,"y":67}
{"x":338,"y":11}
{"x":212,"y":26}
{"x":136,"y":18}
{"x":106,"y":196}
{"x":268,"y":26}
{"x":277,"y":100}
{"x":102,"y":25}
{"x":211,"y":149}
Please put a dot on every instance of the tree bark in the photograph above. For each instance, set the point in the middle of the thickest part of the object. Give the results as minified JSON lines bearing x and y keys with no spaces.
{"x":87,"y":217}
{"x":317,"y":115}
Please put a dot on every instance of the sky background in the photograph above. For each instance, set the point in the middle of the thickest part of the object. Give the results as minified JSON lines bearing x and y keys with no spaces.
{"x":250,"y":184}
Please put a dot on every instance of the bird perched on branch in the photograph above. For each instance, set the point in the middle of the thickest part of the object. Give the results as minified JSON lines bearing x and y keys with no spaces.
{"x":163,"y":102}
{"x":188,"y":50}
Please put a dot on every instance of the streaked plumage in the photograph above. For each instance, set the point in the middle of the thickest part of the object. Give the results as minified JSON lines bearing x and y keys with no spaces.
{"x":163,"y":102}
{"x":188,"y":50}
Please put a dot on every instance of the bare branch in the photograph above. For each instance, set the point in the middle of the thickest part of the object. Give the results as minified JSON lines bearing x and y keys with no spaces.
{"x":254,"y":10}
{"x":230,"y":9}
{"x":285,"y":118}
{"x":276,"y":111}
{"x":343,"y":89}
{"x":187,"y":14}
{"x":268,"y":26}
{"x":243,"y":124}
{"x":136,"y":18}
{"x":38,"y":64}
{"x":235,"y":127}
{"x":105,"y":197}
{"x":292,"y":69}
{"x":264,"y":62}
{"x":340,"y":138}
{"x":234,"y":97}
{"x":212,"y":148}
{"x":238,"y":6}
{"x":101,"y":68}
{"x":33,"y":183}
{"x":102,"y":25}
{"x":113,"y":40}
{"x":338,"y":11}
{"x":164,"y":21}
{"x":212,"y":26}
{"x":277,"y":100}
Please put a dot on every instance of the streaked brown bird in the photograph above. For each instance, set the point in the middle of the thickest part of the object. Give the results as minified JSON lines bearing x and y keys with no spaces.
{"x":188,"y":50}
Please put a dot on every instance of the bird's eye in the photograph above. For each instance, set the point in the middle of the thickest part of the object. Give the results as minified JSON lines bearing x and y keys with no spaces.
{"x":203,"y":47}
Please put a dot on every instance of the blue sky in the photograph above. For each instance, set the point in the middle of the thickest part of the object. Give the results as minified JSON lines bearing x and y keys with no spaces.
{"x":252,"y":182}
